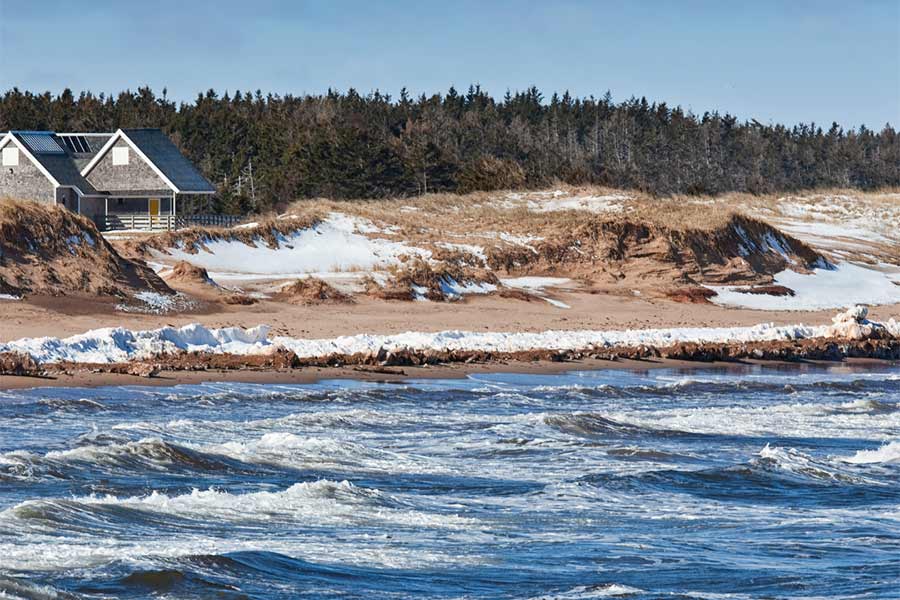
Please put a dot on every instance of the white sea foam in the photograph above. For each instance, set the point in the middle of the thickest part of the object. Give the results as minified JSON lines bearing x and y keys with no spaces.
{"x":803,"y":465}
{"x":322,"y":501}
{"x":289,"y":449}
{"x":887,"y":454}
{"x":584,"y":592}
{"x":799,"y":419}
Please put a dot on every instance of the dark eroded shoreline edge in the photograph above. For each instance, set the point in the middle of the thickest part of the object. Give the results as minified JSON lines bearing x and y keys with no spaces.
{"x":316,"y":374}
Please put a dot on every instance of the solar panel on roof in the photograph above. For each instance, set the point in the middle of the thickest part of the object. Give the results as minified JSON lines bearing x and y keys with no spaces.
{"x":42,"y":143}
{"x":76,"y":143}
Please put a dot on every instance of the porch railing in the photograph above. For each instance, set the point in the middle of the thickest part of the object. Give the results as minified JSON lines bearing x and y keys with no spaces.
{"x":163,"y":222}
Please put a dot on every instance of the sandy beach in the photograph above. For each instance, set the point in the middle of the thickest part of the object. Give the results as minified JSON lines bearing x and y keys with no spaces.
{"x":597,"y":267}
{"x":602,"y":310}
{"x":48,"y":316}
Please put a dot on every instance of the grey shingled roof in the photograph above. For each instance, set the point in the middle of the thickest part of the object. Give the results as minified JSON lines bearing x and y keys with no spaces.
{"x":96,"y":141}
{"x":59,"y":164}
{"x":160,"y":150}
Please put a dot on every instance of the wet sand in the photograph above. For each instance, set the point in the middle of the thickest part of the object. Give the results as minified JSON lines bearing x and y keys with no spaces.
{"x":309,"y":375}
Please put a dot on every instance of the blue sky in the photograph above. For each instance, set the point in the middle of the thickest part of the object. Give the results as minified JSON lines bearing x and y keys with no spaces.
{"x":784,"y":61}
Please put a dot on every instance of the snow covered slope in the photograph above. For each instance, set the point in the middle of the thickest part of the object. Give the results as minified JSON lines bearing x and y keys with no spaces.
{"x":336,"y":244}
{"x":845,"y":284}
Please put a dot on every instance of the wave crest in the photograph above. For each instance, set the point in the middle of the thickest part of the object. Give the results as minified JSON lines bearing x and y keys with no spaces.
{"x":317,"y":502}
{"x":592,"y":425}
{"x":885,"y":455}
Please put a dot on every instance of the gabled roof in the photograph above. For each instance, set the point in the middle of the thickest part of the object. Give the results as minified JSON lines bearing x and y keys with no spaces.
{"x":164,"y":158}
{"x":52,"y":158}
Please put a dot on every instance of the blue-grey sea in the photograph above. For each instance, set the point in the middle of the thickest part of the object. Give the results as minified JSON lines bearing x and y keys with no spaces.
{"x":745,"y":483}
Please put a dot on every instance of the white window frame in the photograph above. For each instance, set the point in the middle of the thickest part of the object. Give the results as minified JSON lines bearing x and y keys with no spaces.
{"x":10,"y":156}
{"x":120,"y":156}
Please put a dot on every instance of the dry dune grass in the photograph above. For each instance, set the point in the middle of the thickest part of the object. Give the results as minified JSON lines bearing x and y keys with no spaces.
{"x":863,"y":227}
{"x":508,"y":212}
{"x":312,"y":290}
{"x":185,"y":272}
{"x":417,"y":277}
{"x":681,"y":240}
{"x":884,"y":202}
{"x":481,"y":216}
{"x":47,"y":249}
{"x":192,"y":239}
{"x":614,"y":237}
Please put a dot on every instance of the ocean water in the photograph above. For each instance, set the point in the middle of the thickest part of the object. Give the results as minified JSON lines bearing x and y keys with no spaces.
{"x":751,"y":483}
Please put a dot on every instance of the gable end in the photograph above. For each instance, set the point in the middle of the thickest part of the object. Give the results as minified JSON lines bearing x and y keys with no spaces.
{"x":119,"y":169}
{"x":27,"y":179}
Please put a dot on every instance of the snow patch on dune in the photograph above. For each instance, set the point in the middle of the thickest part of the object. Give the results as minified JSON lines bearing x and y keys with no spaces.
{"x":455,"y":289}
{"x":476,"y":251}
{"x":847,"y":283}
{"x":155,"y":303}
{"x":535,"y":283}
{"x":336,"y":244}
{"x":560,"y":200}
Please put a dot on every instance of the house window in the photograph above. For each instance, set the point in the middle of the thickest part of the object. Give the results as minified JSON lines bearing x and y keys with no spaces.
{"x":120,"y":156}
{"x":10,"y":157}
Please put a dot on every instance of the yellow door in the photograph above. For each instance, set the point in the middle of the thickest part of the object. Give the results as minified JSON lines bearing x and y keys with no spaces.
{"x":154,"y":207}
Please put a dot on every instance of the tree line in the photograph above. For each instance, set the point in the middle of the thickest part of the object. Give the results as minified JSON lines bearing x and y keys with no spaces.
{"x":263,"y":151}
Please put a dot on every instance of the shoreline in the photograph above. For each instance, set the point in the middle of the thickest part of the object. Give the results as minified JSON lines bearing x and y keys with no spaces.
{"x":313,"y":374}
{"x":195,"y":354}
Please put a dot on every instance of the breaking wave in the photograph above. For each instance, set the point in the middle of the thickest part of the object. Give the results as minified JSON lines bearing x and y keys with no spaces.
{"x":319,"y":502}
{"x":886,"y":455}
{"x":773,"y":476}
{"x":146,"y":454}
{"x":633,"y":453}
{"x":24,"y":590}
{"x":868,"y":406}
{"x":290,"y":450}
{"x":595,"y":425}
{"x":689,"y":386}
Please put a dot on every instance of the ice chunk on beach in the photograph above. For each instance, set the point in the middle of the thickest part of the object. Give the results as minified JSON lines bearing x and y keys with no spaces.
{"x":111,"y":345}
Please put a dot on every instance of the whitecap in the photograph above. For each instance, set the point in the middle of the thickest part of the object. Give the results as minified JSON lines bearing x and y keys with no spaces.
{"x":886,"y":454}
{"x":585,"y":592}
